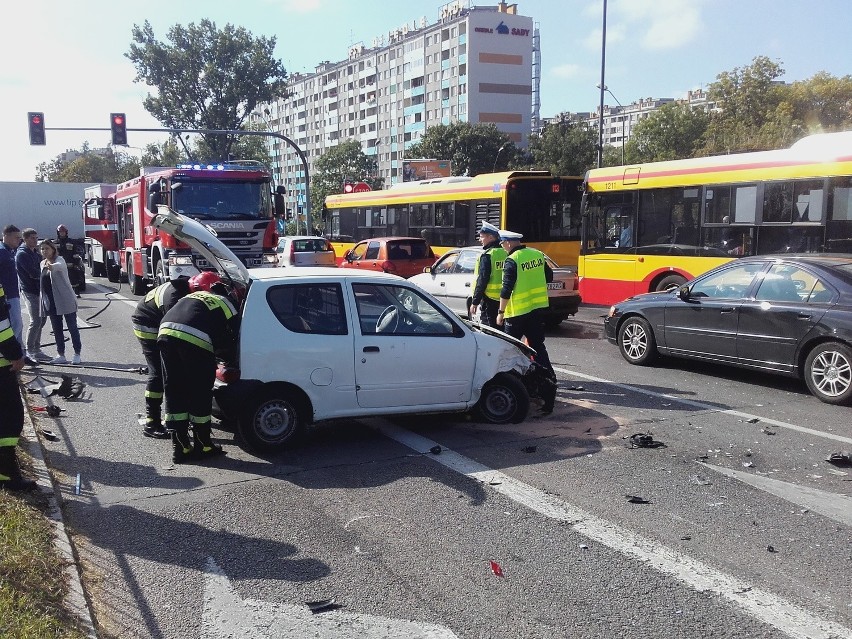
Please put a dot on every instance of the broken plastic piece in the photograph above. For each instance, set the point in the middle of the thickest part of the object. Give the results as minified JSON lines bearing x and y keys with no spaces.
{"x":49,"y":435}
{"x":636,"y":499}
{"x":529,"y":449}
{"x":645,"y":440}
{"x":496,"y":569}
{"x":320,"y":605}
{"x":753,"y":420}
{"x":767,"y":431}
{"x":771,"y":548}
{"x":435,"y":450}
{"x":842,"y":458}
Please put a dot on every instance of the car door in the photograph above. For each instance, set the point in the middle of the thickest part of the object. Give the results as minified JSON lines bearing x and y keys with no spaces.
{"x":401,"y":367}
{"x":777,"y":318}
{"x":459,"y":286}
{"x":435,"y":282}
{"x":704,"y":324}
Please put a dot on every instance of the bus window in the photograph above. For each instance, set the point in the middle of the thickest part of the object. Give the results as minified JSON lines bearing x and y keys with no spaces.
{"x":737,"y":203}
{"x":838,"y":228}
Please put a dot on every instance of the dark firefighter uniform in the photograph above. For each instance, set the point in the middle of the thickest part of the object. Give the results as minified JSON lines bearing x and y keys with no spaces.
{"x":488,"y":278}
{"x":197,"y":329}
{"x":523,"y":295}
{"x":146,"y":324}
{"x":11,"y":404}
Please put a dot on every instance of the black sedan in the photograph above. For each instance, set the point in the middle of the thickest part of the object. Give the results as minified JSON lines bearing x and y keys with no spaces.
{"x":790,"y":315}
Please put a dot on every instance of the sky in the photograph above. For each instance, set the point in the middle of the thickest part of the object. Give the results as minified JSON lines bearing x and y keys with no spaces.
{"x":67,"y":58}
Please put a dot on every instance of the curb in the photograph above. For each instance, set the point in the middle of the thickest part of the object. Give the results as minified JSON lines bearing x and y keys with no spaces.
{"x":75,"y":601}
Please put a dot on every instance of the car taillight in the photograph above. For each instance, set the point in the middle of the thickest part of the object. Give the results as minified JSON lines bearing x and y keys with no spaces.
{"x":270,"y":237}
{"x":576,"y":283}
{"x":292,"y":252}
{"x":329,"y":247}
{"x":388,"y":267}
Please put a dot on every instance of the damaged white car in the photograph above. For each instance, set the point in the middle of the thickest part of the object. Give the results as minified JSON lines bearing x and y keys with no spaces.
{"x":327,"y":343}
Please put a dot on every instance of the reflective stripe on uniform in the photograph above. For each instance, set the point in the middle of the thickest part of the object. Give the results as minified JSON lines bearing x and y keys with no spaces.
{"x":204,"y":419}
{"x":177,"y":417}
{"x":187,"y":333}
{"x":8,"y":441}
{"x":144,"y":332}
{"x":153,"y":395}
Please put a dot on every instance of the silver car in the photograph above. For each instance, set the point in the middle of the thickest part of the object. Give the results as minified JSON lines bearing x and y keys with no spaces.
{"x":450,"y":279}
{"x":305,"y":250}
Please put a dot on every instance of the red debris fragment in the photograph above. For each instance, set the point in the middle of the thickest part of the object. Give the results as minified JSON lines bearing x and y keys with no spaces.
{"x":496,"y":569}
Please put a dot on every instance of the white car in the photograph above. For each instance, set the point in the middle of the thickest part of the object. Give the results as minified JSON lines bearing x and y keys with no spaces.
{"x":305,"y":250}
{"x":450,"y":279}
{"x":325,"y":343}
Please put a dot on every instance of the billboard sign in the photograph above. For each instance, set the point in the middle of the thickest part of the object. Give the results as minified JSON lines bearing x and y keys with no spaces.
{"x":414,"y":170}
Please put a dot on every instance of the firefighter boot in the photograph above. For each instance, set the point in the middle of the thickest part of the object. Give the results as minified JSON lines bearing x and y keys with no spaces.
{"x":10,"y":472}
{"x":182,"y":446}
{"x":204,"y":446}
{"x":154,"y":428}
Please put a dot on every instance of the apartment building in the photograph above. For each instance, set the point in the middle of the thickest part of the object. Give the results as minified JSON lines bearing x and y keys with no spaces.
{"x":473,"y":64}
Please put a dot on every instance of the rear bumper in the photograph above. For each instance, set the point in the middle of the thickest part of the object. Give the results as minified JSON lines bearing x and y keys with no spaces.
{"x":563,"y":306}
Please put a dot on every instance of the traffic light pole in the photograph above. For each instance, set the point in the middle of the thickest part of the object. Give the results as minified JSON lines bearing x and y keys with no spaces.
{"x":268,"y":134}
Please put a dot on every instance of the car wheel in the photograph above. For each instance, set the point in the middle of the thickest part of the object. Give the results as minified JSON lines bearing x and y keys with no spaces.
{"x":828,"y":372}
{"x":136,"y":283}
{"x":670,"y":282}
{"x":636,"y":341}
{"x":162,"y":276}
{"x":272,"y":421}
{"x":504,"y":400}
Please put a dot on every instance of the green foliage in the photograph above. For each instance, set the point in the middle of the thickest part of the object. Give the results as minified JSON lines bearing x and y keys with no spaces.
{"x":822,"y":103}
{"x":105,"y":165}
{"x":472,"y":148}
{"x":672,"y":132}
{"x":346,"y":161}
{"x":245,"y":147}
{"x":564,"y":148}
{"x":206,"y":78}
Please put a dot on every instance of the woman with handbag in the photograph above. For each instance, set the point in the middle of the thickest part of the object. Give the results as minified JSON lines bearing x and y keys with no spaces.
{"x":58,"y":301}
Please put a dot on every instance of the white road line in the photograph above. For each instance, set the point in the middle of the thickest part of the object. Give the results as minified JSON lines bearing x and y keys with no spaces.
{"x":760,"y":604}
{"x":118,"y":297}
{"x":708,"y":407}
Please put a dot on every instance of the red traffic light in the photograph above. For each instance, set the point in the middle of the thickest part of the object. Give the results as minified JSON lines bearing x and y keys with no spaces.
{"x":36,"y":126}
{"x":118,"y":120}
{"x":118,"y":128}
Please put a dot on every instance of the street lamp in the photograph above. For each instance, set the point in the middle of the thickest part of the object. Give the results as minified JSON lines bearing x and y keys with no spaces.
{"x":499,"y":151}
{"x":602,"y":87}
{"x":621,"y":106}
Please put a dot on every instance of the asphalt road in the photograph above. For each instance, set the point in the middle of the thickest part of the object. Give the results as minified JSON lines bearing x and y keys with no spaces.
{"x":517,"y":531}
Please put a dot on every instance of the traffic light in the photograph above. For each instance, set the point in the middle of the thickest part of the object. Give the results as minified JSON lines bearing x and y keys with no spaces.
{"x":348,"y":186}
{"x":118,"y":126}
{"x":36,"y":121}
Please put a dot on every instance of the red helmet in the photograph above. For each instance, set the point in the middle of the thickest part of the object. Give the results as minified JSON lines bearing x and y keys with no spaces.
{"x":203,"y":281}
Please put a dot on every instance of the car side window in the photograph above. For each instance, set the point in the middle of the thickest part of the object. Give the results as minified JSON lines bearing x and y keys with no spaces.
{"x":358,"y":252}
{"x":785,"y":283}
{"x":447,"y":264}
{"x":372,"y":251}
{"x":732,"y":283}
{"x":467,"y":261}
{"x":386,"y":309}
{"x":309,"y":308}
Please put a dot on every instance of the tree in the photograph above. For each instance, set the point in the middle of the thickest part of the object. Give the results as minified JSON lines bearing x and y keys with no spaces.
{"x":104,"y":165}
{"x":346,"y":161}
{"x":672,"y":132}
{"x":564,"y":147}
{"x":821,"y":103}
{"x":206,"y":78}
{"x":472,"y":148}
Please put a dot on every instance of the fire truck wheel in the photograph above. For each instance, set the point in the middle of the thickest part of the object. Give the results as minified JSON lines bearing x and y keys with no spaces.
{"x":136,"y":283}
{"x":162,"y":276}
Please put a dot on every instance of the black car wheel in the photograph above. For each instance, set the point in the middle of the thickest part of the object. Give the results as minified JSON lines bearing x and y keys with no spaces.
{"x":504,"y":400}
{"x":271,"y":421}
{"x":828,"y":372}
{"x":636,"y":341}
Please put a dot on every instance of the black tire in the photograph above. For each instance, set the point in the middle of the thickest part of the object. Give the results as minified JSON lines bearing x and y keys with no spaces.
{"x":504,"y":400}
{"x":636,"y":341}
{"x":828,"y":372}
{"x":136,"y":283}
{"x":272,"y":420}
{"x":670,"y":282}
{"x":161,"y":276}
{"x":97,"y":268}
{"x":113,"y":271}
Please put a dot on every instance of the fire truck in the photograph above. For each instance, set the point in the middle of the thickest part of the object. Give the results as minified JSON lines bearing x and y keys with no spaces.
{"x":235,"y":200}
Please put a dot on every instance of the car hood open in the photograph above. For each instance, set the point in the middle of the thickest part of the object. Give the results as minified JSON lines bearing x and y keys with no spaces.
{"x":203,"y":239}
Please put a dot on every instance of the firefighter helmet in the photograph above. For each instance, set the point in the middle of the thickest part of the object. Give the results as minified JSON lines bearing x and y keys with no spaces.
{"x":203,"y":281}
{"x":61,"y":228}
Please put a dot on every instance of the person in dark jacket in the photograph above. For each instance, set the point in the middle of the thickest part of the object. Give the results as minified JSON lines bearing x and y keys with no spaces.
{"x":199,"y":328}
{"x":146,"y":323}
{"x":9,"y":278}
{"x":488,"y":276}
{"x":28,"y":264}
{"x":12,"y":411}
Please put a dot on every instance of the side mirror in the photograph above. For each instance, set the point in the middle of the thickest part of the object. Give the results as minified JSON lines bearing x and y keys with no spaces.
{"x":683,"y":293}
{"x":427,"y":269}
{"x":347,"y":256}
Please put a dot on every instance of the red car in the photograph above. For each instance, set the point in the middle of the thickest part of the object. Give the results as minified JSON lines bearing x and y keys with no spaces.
{"x":403,"y":256}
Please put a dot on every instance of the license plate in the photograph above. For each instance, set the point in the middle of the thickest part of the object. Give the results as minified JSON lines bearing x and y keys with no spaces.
{"x":555,"y":286}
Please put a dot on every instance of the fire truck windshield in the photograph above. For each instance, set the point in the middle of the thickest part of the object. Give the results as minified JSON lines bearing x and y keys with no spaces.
{"x":219,"y":200}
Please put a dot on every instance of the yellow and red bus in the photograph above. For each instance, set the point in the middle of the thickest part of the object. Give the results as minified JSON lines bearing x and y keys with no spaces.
{"x":449,"y":211}
{"x":650,"y":227}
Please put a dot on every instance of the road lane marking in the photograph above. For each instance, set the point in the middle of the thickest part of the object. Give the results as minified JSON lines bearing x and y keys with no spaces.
{"x":708,"y":407}
{"x":760,"y":604}
{"x":226,"y":615}
{"x":832,"y":505}
{"x":114,"y":295}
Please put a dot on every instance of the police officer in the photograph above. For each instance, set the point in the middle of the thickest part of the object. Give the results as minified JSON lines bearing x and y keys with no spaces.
{"x":146,"y":323}
{"x":12,"y":412}
{"x":197,"y":329}
{"x":523,"y":296}
{"x":488,"y":276}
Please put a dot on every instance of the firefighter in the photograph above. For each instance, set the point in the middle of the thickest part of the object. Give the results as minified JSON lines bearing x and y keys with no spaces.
{"x":146,"y":322}
{"x":71,"y":251}
{"x":197,"y":329}
{"x":488,"y":276}
{"x":523,"y":296}
{"x":12,"y":412}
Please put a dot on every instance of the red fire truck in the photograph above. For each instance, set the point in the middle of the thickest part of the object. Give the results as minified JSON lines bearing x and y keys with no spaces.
{"x":235,"y":200}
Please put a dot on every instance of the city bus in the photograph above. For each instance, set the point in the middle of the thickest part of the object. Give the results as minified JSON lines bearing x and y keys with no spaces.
{"x":448,"y":212}
{"x":651,"y":227}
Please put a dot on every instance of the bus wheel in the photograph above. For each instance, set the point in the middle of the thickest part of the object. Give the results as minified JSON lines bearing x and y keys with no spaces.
{"x":636,"y":341}
{"x":670,"y":282}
